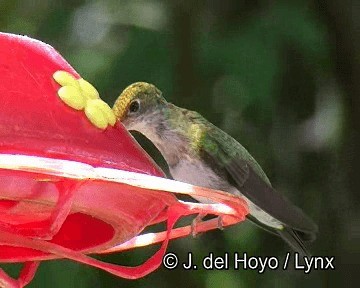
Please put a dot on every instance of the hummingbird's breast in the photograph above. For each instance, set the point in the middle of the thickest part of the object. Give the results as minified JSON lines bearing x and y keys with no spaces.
{"x":195,"y":172}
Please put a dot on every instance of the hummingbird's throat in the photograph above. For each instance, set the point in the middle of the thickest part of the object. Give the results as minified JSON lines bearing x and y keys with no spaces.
{"x":169,"y":144}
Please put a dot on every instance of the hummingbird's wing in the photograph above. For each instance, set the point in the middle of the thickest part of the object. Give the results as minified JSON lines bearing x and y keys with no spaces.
{"x":246,"y":175}
{"x":270,"y":200}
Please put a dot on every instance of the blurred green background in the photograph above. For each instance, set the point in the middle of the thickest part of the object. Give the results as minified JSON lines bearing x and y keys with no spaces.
{"x":279,"y":76}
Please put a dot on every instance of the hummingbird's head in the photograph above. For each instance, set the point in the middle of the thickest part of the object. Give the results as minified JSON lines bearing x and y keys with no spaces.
{"x":142,"y":108}
{"x":138,"y":106}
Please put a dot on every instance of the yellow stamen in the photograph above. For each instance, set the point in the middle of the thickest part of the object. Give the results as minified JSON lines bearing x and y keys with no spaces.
{"x":81,"y":95}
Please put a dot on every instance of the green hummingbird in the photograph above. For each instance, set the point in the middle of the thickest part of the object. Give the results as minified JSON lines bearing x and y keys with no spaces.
{"x":199,"y":153}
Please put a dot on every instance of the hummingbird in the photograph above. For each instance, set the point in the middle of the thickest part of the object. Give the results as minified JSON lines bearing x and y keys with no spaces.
{"x":199,"y":153}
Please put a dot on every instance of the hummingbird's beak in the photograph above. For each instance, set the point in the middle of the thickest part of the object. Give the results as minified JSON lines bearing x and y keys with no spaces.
{"x":119,"y":115}
{"x":120,"y":107}
{"x":122,"y":102}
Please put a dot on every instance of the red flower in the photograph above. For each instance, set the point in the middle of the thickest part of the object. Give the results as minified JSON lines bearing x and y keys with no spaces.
{"x":72,"y":180}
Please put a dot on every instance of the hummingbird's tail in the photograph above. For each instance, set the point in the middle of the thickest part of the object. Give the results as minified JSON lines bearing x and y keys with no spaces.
{"x":291,"y":237}
{"x":294,"y":238}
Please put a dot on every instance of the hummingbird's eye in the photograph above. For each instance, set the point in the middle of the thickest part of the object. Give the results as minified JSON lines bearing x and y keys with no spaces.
{"x":134,"y":106}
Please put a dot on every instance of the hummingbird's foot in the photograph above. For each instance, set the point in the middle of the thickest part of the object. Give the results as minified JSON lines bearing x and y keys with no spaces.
{"x":193,"y":229}
{"x":220,"y":223}
{"x":195,"y":222}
